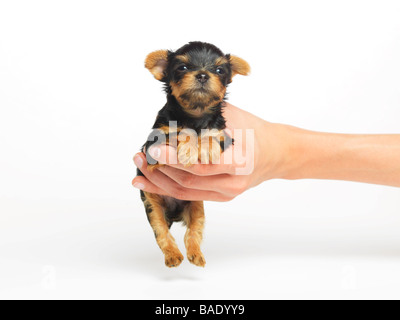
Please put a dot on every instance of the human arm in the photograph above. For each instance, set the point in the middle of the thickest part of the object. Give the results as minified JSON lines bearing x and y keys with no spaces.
{"x":279,"y":152}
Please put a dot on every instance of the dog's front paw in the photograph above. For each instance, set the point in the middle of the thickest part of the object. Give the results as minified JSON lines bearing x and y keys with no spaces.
{"x":173,"y":259}
{"x":187,"y":154}
{"x":210,"y":151}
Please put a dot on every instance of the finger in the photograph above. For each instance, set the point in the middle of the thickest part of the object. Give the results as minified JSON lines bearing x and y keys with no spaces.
{"x":165,"y":154}
{"x":223,"y":183}
{"x":142,"y":183}
{"x":173,"y":189}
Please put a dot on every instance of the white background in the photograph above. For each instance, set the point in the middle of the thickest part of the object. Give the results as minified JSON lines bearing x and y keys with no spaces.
{"x":76,"y":104}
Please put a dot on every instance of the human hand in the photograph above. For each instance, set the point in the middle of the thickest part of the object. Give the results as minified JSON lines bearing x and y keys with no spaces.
{"x":255,"y":157}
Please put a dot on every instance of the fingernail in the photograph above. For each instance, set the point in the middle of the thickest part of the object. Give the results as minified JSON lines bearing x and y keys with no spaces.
{"x":138,"y":185}
{"x":155,"y":152}
{"x":138,"y":161}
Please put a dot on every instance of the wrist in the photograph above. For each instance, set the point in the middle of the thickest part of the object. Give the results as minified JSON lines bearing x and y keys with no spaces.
{"x":290,"y":152}
{"x":276,"y":151}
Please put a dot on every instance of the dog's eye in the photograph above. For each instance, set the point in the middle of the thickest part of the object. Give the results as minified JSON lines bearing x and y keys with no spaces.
{"x":182,"y":68}
{"x":220,"y":71}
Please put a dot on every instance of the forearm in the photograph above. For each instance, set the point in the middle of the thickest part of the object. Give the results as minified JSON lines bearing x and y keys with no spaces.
{"x":363,"y":158}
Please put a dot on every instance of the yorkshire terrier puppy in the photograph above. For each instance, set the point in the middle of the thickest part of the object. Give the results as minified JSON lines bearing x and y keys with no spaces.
{"x":196,"y":77}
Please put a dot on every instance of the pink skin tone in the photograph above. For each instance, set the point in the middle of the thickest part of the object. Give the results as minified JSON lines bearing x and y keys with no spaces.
{"x":280,"y":152}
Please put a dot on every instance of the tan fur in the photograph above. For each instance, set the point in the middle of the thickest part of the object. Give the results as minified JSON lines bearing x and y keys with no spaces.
{"x":184,"y":85}
{"x":220,"y":61}
{"x":239,"y":66}
{"x":193,"y":149}
{"x":156,"y":62}
{"x":184,"y":58}
{"x":188,"y":85}
{"x":205,"y":149}
{"x":168,"y":130}
{"x":217,"y":87}
{"x":194,"y":220}
{"x":187,"y":148}
{"x":209,"y":146}
{"x":173,"y":257}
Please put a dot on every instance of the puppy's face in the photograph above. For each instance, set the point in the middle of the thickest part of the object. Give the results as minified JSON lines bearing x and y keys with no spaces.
{"x":196,"y":75}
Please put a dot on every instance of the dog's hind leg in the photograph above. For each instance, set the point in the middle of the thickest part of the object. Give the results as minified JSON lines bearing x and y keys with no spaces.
{"x":194,"y":219}
{"x":155,"y":209}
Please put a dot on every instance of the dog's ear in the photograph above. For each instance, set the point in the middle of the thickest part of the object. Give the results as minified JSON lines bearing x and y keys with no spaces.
{"x":157,"y":62}
{"x":239,"y":66}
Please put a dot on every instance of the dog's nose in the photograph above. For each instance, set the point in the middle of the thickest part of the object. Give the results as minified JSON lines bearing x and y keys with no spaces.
{"x":202,"y":77}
